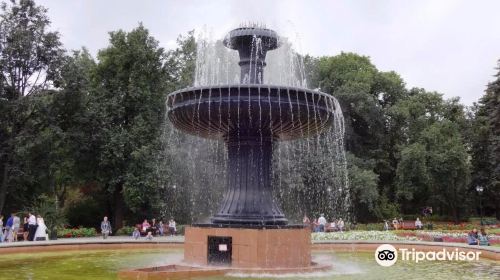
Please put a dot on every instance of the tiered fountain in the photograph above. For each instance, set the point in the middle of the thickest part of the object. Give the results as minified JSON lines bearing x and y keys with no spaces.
{"x":250,"y":232}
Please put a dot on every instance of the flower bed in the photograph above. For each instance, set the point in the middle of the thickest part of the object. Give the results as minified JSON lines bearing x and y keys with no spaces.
{"x":451,"y":236}
{"x":76,"y":232}
{"x":362,"y":235}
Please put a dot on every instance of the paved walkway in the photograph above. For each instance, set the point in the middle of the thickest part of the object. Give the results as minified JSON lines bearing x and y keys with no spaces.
{"x":95,"y":240}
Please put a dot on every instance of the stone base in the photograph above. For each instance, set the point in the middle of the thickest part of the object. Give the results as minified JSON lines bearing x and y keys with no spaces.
{"x":252,"y":248}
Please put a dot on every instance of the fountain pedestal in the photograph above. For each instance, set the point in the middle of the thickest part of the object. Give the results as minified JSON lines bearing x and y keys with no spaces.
{"x":263,"y":248}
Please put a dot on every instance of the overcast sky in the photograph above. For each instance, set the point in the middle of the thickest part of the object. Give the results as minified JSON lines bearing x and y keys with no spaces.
{"x":448,"y":46}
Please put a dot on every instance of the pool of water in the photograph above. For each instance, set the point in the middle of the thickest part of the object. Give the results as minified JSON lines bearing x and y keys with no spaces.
{"x":104,"y":264}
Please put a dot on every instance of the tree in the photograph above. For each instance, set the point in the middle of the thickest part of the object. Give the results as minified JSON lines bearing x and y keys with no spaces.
{"x":127,"y":103}
{"x":486,"y":145}
{"x":30,"y":60}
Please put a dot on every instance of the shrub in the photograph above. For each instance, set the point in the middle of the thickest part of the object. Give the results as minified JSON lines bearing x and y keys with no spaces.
{"x":126,"y":230}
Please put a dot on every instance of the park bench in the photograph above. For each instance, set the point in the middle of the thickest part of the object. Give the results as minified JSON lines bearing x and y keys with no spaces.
{"x":408,"y":225}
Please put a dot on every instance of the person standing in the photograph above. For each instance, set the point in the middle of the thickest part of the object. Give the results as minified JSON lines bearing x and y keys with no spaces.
{"x":105,"y":228}
{"x":41,"y":230}
{"x":8,"y":229}
{"x":15,"y":227}
{"x":25,"y":228}
{"x":31,"y":226}
{"x":172,"y":227}
{"x":322,"y":223}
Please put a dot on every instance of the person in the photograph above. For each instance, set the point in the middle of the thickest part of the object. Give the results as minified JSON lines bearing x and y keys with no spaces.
{"x":340,"y":225}
{"x":395,"y":224}
{"x":418,"y":224}
{"x":306,"y":221}
{"x":136,"y":234}
{"x":473,"y":238}
{"x":322,"y":223}
{"x":154,"y":227}
{"x":8,"y":236}
{"x":483,"y":238}
{"x":150,"y":235}
{"x":15,"y":227}
{"x":145,"y":226}
{"x":32,"y":225}
{"x":105,"y":228}
{"x":41,"y":230}
{"x":25,"y":228}
{"x":333,"y":225}
{"x":386,"y":225}
{"x":172,"y":227}
{"x":161,"y":228}
{"x":1,"y":228}
{"x":315,"y":225}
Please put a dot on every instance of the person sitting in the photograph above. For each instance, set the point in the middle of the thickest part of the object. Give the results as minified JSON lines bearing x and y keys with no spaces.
{"x":418,"y":224}
{"x":473,"y":238}
{"x":333,"y":226}
{"x":136,"y":233}
{"x":161,"y":228}
{"x":395,"y":224}
{"x":340,"y":225}
{"x":145,"y":226}
{"x":483,"y":238}
{"x":149,"y":236}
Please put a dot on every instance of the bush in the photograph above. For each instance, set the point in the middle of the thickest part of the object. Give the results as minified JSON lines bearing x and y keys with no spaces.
{"x":126,"y":230}
{"x":76,"y":232}
{"x":371,"y":226}
{"x":180,"y":229}
{"x":486,"y":220}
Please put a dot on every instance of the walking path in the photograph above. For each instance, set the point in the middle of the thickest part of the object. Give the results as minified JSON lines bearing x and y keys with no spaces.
{"x":94,"y":240}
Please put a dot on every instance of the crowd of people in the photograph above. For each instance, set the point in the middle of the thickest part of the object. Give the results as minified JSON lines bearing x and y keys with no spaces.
{"x":149,"y":230}
{"x":322,"y":225}
{"x":32,"y":229}
{"x":398,"y":224}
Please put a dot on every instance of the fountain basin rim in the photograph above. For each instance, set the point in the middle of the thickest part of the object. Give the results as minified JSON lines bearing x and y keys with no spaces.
{"x":244,"y":86}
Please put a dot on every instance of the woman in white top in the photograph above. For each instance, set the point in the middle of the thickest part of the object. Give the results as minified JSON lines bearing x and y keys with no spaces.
{"x":41,"y":230}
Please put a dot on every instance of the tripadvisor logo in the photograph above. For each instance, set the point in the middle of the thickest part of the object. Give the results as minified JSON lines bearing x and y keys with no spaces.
{"x":387,"y":255}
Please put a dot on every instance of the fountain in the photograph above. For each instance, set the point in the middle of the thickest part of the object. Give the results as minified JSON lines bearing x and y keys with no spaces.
{"x":250,"y":232}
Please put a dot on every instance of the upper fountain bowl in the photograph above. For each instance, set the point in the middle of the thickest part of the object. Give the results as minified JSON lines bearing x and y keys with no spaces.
{"x":243,"y":37}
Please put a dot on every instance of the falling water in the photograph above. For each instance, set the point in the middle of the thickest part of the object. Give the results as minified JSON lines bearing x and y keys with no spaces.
{"x":309,"y":175}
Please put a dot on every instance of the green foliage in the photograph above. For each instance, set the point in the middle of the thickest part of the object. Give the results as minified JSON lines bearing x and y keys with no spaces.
{"x":53,"y":217}
{"x":126,"y":230}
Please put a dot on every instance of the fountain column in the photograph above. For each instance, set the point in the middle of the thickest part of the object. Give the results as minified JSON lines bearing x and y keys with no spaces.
{"x":248,"y":199}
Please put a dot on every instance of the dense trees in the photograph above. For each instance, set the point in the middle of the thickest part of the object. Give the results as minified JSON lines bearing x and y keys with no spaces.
{"x":87,"y":132}
{"x":485,"y":138}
